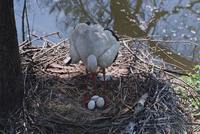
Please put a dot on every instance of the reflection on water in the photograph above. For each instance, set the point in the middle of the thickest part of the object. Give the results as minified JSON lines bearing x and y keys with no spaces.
{"x":160,"y":19}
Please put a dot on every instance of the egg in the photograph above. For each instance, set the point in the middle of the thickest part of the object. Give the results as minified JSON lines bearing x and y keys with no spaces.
{"x":95,"y":97}
{"x":100,"y":102}
{"x":91,"y":105}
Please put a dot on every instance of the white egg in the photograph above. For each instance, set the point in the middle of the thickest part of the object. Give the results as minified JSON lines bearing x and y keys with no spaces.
{"x":91,"y":105}
{"x":95,"y":97}
{"x":100,"y":102}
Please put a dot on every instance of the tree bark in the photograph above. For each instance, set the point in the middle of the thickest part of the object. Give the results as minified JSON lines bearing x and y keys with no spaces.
{"x":11,"y":79}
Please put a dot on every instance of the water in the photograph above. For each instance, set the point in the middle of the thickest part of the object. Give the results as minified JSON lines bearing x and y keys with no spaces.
{"x":161,"y":19}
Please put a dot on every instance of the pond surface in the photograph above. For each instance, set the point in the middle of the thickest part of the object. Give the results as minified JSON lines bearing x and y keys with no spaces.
{"x":177,"y":20}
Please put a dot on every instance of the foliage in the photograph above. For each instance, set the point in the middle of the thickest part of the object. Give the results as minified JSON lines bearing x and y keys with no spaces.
{"x":194,"y":78}
{"x":194,"y":100}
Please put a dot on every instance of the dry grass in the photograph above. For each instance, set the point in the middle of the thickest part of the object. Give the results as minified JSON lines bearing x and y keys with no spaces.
{"x":141,"y":96}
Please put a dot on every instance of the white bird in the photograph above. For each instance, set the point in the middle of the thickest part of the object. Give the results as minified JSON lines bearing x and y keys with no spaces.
{"x":94,"y":46}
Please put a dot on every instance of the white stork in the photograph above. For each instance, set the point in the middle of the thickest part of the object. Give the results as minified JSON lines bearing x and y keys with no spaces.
{"x":94,"y":46}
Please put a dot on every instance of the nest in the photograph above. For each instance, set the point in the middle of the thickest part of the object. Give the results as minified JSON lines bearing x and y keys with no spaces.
{"x":141,"y":97}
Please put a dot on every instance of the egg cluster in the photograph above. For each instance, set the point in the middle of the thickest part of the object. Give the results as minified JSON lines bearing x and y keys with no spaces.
{"x":96,"y":101}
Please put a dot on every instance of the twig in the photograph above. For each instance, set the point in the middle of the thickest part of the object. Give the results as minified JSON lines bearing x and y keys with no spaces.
{"x":158,"y":40}
{"x":39,"y":37}
{"x":43,"y":38}
{"x":23,"y":26}
{"x":28,"y":27}
{"x":148,"y":63}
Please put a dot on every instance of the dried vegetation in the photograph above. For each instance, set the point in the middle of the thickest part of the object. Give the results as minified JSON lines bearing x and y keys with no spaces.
{"x":141,"y":96}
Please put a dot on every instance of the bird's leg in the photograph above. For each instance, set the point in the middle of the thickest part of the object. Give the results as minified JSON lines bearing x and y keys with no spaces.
{"x":94,"y":75}
{"x":104,"y":80}
{"x":86,"y":72}
{"x":104,"y":86}
{"x":86,"y":97}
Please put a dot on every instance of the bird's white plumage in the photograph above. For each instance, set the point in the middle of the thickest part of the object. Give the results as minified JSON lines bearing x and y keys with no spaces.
{"x":91,"y":60}
{"x":87,"y":40}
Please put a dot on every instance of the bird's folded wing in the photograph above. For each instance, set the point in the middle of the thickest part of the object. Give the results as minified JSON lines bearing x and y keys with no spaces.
{"x":107,"y":58}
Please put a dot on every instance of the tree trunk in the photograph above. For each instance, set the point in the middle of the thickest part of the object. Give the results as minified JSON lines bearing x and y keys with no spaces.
{"x":11,"y":79}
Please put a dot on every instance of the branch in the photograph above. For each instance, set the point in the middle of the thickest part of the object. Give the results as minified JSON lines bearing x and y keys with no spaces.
{"x":23,"y":15}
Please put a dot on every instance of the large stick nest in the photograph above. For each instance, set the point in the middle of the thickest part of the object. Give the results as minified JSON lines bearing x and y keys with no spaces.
{"x":141,"y":97}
